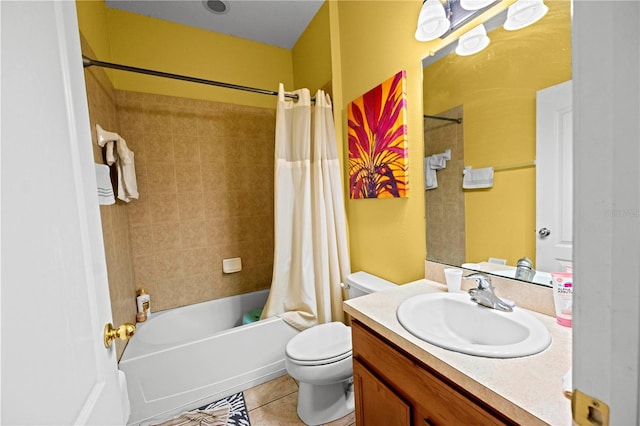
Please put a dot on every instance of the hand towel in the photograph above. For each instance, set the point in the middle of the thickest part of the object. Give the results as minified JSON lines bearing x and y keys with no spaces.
{"x":433,"y":163}
{"x":477,"y":178}
{"x":430,"y":179}
{"x":105,"y":189}
{"x":127,"y":182}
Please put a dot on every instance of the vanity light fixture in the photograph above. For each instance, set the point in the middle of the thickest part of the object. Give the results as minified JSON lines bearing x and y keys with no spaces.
{"x":524,"y":13}
{"x":432,"y":21}
{"x":472,"y":41}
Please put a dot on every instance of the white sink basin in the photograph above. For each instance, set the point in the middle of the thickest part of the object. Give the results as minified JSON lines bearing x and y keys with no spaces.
{"x":452,"y":321}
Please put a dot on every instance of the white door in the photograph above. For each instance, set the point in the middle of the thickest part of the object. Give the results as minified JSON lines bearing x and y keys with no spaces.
{"x":55,"y":297}
{"x":554,"y":178}
{"x":606,"y":78}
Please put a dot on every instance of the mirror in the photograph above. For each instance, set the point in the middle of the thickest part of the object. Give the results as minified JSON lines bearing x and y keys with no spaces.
{"x":494,"y":93}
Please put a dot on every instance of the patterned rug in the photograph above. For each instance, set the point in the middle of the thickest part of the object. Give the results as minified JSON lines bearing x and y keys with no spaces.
{"x":238,"y":414}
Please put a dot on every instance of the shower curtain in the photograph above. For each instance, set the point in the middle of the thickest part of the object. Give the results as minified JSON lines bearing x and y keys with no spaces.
{"x":311,"y":259}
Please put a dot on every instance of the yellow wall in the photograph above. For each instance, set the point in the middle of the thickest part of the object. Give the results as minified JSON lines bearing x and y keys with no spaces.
{"x":386,"y":236}
{"x":92,"y":20}
{"x":497,"y":88}
{"x":312,"y":53}
{"x":145,"y":42}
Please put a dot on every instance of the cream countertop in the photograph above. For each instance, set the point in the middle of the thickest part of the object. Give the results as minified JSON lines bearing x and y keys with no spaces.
{"x":528,"y":389}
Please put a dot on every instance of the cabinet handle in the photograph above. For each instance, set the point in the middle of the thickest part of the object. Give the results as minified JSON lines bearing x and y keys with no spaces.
{"x":429,"y":422}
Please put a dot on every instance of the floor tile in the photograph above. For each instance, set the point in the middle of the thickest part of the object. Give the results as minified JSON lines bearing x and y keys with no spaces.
{"x":275,"y":403}
{"x":281,"y":412}
{"x":348,"y":420}
{"x":269,"y":391}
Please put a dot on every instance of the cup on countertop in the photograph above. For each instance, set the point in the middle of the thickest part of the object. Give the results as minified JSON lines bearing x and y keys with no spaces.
{"x":453,"y":278}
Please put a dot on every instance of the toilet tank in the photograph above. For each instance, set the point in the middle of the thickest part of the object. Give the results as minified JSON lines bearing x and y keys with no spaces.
{"x":362,"y":283}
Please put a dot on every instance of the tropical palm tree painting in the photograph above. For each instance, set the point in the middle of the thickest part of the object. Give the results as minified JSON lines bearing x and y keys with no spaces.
{"x":378,"y":141}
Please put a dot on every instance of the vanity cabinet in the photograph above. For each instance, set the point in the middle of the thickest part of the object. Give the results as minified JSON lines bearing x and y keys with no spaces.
{"x":393,"y":388}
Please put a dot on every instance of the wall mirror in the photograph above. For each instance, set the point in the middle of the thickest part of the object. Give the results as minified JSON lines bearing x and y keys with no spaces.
{"x":493,"y":92}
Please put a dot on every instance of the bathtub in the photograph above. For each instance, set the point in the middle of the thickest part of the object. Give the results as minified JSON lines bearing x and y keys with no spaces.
{"x":183,"y":358}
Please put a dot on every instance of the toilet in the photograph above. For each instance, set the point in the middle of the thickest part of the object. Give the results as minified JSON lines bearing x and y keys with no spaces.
{"x":320,"y":359}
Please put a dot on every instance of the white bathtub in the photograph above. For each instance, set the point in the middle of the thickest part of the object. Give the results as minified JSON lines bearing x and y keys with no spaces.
{"x":184,"y":358}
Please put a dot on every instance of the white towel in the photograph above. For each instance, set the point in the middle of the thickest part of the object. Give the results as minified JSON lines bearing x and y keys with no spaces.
{"x":433,"y":163}
{"x":477,"y":178}
{"x":105,"y":189}
{"x":430,"y":178}
{"x":127,"y":182}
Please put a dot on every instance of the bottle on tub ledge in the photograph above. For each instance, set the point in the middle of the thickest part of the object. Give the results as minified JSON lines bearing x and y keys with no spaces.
{"x":143,"y":302}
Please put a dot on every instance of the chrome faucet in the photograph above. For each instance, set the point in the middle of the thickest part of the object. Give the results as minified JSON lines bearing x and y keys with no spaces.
{"x":484,"y":294}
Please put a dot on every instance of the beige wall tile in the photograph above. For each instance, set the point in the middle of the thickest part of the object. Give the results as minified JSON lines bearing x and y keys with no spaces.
{"x":161,"y":177}
{"x":206,"y":181}
{"x":166,"y":236}
{"x":158,"y":148}
{"x":164,"y":207}
{"x":188,"y":177}
{"x":199,"y":288}
{"x":193,"y":234}
{"x":191,"y":205}
{"x":186,"y":148}
{"x":195,"y":262}
{"x":141,"y":240}
{"x":139,"y":211}
{"x":168,"y":264}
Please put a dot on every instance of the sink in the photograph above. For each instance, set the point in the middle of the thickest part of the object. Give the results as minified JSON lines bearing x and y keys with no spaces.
{"x":452,"y":321}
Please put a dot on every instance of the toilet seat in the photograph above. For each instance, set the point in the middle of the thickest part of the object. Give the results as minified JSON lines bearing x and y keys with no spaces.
{"x":321,"y":344}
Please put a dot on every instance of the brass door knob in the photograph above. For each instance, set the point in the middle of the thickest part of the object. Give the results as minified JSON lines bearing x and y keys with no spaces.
{"x":124,"y":332}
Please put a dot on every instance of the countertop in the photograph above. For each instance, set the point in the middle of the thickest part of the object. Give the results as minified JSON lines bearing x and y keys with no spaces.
{"x":528,"y":389}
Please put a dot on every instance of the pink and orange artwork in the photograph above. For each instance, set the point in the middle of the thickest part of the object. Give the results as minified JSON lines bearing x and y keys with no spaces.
{"x":378,"y":141}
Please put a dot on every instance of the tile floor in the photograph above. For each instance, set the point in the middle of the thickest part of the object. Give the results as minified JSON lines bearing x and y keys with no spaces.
{"x":274,"y":404}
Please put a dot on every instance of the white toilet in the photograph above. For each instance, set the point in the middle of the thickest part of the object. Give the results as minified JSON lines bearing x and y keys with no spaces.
{"x":320,"y":359}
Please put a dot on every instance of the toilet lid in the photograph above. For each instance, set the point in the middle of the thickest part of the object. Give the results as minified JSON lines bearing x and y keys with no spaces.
{"x":321,"y":344}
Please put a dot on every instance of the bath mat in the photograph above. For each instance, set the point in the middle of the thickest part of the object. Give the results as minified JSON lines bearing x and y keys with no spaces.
{"x":218,"y":416}
{"x":238,"y":413}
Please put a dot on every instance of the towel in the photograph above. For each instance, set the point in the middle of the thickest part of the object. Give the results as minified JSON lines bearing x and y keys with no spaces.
{"x":477,"y":178}
{"x":433,"y":163}
{"x":127,"y":182}
{"x":105,"y":189}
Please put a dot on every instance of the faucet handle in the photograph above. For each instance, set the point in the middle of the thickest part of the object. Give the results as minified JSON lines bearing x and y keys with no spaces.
{"x":482,"y":280}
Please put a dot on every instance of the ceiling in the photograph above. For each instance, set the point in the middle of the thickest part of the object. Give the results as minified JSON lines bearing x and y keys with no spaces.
{"x":274,"y":22}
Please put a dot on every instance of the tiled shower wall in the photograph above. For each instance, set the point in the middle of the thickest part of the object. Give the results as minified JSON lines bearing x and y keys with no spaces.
{"x":115,"y":219}
{"x":205,"y":177}
{"x":444,"y":205}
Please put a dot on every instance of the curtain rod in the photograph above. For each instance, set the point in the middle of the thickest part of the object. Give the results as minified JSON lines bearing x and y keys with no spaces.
{"x":88,"y":62}
{"x":435,"y":117}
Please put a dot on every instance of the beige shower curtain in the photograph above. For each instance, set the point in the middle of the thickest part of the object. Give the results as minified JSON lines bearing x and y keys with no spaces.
{"x":311,"y":257}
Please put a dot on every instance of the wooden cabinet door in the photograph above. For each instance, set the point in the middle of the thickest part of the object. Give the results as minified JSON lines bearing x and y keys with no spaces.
{"x":432,"y":401}
{"x":377,"y":404}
